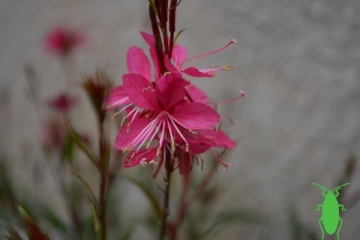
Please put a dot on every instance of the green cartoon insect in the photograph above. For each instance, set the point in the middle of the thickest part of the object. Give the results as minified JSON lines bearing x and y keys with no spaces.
{"x":330,"y":216}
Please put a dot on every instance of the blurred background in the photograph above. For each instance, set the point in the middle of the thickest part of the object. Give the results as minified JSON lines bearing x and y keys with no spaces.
{"x":298,"y":62}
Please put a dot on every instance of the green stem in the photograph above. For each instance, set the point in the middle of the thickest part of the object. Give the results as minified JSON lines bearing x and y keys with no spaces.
{"x":165,"y":212}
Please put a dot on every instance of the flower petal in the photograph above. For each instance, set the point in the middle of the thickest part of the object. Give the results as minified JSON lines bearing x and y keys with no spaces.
{"x":170,"y":89}
{"x":179,"y":54}
{"x":142,"y":156}
{"x":185,"y":162}
{"x":216,"y":138}
{"x":140,"y":91}
{"x":194,"y":72}
{"x":137,"y":62}
{"x":196,"y":144}
{"x":149,"y":39}
{"x":129,"y":132}
{"x":196,"y":115}
{"x":116,"y":97}
{"x":170,"y":66}
{"x":196,"y":94}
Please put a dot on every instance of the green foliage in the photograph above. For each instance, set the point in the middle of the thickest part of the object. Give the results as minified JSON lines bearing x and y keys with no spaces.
{"x":230,"y":217}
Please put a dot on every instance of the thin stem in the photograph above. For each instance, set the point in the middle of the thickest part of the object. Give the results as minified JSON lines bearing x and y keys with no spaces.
{"x":168,"y":168}
{"x":183,"y":208}
{"x":104,"y":162}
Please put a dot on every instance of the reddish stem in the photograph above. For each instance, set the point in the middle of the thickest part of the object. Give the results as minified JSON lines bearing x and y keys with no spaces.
{"x":104,"y":160}
{"x":185,"y":204}
{"x":158,"y":43}
{"x":165,"y":213}
{"x":172,"y":18}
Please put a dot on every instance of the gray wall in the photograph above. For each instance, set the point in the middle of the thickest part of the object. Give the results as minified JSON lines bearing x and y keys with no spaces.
{"x":298,"y":61}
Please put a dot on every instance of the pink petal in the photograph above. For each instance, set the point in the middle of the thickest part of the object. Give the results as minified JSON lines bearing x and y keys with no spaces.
{"x":134,"y":158}
{"x":198,"y":148}
{"x":217,"y":139}
{"x":140,"y":91}
{"x":170,"y":66}
{"x":185,"y":162}
{"x":196,"y":145}
{"x":194,"y":72}
{"x":178,"y":105}
{"x":170,"y":89}
{"x":179,"y":54}
{"x":148,"y":38}
{"x":196,"y":115}
{"x":196,"y":94}
{"x":116,"y":97}
{"x":137,"y":62}
{"x":129,"y":132}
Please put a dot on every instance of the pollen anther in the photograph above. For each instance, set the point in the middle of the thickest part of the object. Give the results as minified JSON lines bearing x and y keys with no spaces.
{"x":193,"y":132}
{"x":122,"y":121}
{"x":131,"y":157}
{"x":115,"y":114}
{"x":145,"y":89}
{"x":228,"y":67}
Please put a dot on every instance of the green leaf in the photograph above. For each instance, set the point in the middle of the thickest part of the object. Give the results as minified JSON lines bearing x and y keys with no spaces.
{"x":80,"y":143}
{"x":88,"y":189}
{"x":231,"y":217}
{"x":128,"y":233}
{"x":68,"y":149}
{"x":96,"y":222}
{"x":149,"y":195}
{"x":178,"y":34}
{"x":54,"y":220}
{"x":13,"y":234}
{"x":296,"y":225}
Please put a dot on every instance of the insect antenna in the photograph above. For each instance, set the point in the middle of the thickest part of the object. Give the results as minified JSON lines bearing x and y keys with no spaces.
{"x":324,"y":189}
{"x":336,"y":190}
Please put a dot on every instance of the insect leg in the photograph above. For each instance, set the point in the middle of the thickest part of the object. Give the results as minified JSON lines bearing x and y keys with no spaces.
{"x":338,"y":231}
{"x":342,"y":207}
{"x":318,"y":207}
{"x":322,"y":230}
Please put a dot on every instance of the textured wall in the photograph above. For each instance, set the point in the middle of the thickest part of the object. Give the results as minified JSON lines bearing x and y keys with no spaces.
{"x":298,"y":61}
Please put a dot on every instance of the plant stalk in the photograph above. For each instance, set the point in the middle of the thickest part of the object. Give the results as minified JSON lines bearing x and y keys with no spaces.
{"x":165,"y":212}
{"x":103,"y":168}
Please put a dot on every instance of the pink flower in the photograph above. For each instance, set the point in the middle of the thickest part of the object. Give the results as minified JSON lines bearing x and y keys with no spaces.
{"x":167,"y":113}
{"x":62,"y":103}
{"x":63,"y":41}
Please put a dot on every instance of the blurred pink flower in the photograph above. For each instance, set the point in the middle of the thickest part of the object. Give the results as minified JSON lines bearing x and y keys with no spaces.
{"x":63,"y":41}
{"x":62,"y":103}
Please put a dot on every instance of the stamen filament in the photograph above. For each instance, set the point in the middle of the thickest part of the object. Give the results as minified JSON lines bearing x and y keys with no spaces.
{"x":149,"y":127}
{"x":226,"y":166}
{"x":178,"y":131}
{"x":242,"y":94}
{"x":208,"y":53}
{"x":171,"y":136}
{"x":152,"y":137}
